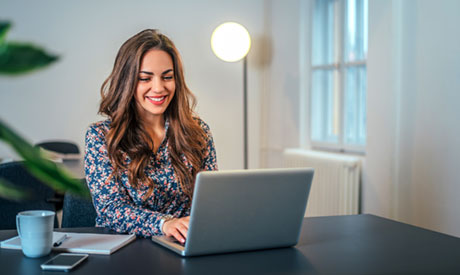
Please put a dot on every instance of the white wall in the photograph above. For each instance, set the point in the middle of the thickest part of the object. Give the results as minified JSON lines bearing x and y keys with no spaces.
{"x":436,"y":143}
{"x":383,"y":86}
{"x":62,"y":100}
{"x":413,"y":126}
{"x":281,"y":101}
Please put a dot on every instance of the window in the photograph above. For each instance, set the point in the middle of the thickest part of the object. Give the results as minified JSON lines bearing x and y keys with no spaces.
{"x":339,"y":75}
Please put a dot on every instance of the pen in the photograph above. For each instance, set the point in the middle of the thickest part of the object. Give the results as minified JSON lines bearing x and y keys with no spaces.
{"x":59,"y":242}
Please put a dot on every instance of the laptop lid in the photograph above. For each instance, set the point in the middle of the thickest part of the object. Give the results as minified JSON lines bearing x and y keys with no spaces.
{"x":246,"y":210}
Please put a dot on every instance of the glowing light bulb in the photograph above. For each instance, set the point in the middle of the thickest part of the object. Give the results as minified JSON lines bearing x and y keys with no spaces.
{"x":230,"y":42}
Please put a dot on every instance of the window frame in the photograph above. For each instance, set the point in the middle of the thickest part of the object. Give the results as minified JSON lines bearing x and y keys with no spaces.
{"x":338,"y":66}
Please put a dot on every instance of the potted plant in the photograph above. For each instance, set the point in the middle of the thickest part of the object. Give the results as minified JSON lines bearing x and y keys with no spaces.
{"x":16,"y":59}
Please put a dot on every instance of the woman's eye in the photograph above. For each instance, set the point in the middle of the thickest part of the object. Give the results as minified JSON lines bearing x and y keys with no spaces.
{"x":167,"y":77}
{"x":144,"y":79}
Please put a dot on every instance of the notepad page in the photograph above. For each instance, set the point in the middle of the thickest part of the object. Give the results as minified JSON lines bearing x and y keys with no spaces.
{"x":90,"y":243}
{"x":94,"y":243}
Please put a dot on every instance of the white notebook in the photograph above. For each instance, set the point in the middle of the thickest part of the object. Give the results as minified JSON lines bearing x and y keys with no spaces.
{"x":90,"y":243}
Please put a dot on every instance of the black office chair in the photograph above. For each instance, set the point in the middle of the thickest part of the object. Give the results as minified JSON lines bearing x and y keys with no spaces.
{"x":62,"y":147}
{"x":42,"y":195}
{"x":78,"y":212}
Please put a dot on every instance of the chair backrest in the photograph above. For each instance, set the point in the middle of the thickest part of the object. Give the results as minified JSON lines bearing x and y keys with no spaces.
{"x":78,"y":212}
{"x":42,"y":195}
{"x":63,"y":147}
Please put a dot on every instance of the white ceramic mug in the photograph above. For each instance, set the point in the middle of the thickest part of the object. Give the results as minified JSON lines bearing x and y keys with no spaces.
{"x":35,"y":228}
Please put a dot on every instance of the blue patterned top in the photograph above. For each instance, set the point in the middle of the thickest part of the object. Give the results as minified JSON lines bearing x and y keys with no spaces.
{"x":123,"y":208}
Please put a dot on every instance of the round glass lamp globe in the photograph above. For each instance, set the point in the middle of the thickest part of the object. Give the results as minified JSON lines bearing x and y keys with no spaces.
{"x":230,"y":42}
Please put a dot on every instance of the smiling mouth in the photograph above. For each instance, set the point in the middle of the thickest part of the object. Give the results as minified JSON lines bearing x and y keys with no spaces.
{"x":157,"y":100}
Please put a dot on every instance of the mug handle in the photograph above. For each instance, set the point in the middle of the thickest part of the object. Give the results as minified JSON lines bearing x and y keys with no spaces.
{"x":17,"y":226}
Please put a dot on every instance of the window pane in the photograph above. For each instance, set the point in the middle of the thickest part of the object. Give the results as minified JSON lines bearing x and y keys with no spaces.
{"x":323,"y":32}
{"x":355,"y":106}
{"x":355,"y":47}
{"x":324,"y":106}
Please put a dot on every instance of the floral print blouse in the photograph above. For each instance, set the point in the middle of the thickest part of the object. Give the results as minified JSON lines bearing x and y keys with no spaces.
{"x":123,"y":208}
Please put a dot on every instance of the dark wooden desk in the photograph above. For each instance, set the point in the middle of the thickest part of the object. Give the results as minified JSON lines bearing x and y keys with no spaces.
{"x":358,"y":244}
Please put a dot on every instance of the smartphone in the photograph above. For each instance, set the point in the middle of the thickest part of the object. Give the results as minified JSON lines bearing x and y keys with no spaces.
{"x":64,"y":261}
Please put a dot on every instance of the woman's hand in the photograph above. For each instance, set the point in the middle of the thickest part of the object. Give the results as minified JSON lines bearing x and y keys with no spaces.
{"x":177,"y":228}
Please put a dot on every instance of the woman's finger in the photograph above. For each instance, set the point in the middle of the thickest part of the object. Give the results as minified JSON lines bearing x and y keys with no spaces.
{"x":178,"y":236}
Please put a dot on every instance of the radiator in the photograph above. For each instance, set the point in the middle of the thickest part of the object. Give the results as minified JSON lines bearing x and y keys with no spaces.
{"x":335,"y":188}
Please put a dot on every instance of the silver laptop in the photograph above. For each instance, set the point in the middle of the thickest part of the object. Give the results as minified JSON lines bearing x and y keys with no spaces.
{"x":244,"y":210}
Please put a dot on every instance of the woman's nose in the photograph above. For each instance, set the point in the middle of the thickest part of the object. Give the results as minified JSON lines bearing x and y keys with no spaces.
{"x":157,"y":85}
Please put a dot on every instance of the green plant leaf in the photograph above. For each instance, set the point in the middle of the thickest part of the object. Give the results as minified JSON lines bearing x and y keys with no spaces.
{"x":11,"y":192}
{"x":18,"y":58}
{"x":4,"y":27}
{"x":47,"y":171}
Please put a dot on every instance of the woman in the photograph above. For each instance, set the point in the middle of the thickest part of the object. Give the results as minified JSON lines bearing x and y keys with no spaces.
{"x":142,"y":161}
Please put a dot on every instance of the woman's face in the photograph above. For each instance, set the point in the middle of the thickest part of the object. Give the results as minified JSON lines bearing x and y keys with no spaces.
{"x":156,"y":84}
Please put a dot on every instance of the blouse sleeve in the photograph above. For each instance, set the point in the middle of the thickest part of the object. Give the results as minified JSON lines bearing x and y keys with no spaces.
{"x":115,"y":208}
{"x":210,"y":160}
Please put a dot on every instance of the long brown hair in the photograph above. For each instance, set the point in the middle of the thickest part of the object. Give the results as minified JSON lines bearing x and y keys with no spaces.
{"x":127,"y":134}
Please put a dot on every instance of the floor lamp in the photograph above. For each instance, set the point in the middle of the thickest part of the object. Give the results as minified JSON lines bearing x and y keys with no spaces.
{"x":231,"y":42}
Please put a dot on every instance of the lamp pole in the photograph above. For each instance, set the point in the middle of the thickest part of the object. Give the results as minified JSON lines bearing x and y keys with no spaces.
{"x":245,"y":109}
